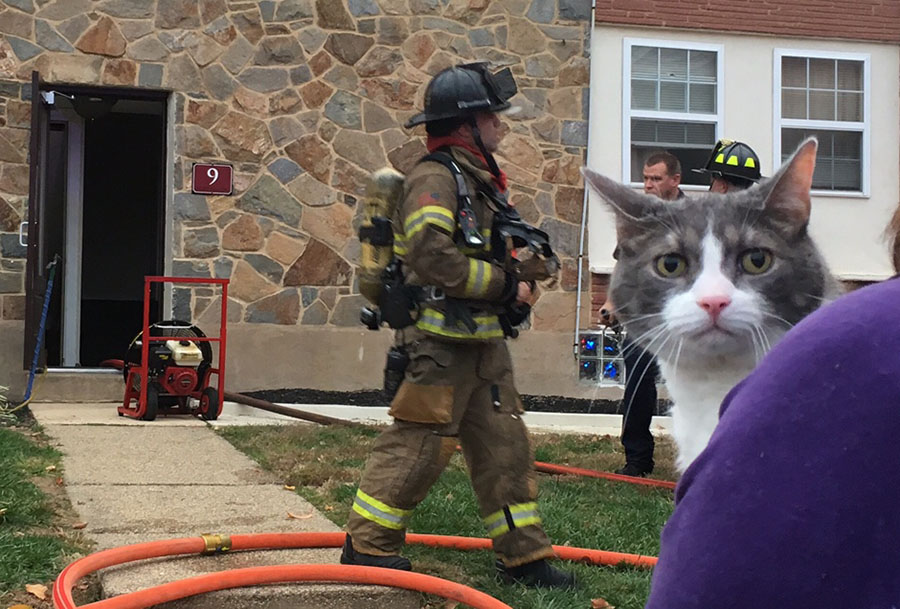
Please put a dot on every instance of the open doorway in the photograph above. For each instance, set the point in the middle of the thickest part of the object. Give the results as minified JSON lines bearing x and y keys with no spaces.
{"x":102,"y":201}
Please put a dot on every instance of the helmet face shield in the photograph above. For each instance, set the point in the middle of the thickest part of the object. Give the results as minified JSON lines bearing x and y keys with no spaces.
{"x":502,"y":84}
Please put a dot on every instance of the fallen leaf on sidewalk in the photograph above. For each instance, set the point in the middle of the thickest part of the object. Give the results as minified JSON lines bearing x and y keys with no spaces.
{"x":38,"y":590}
{"x":329,"y":508}
{"x":288,"y":487}
{"x":600,"y":603}
{"x":79,"y":525}
{"x":20,"y":607}
{"x":59,"y":481}
{"x":2,"y":511}
{"x":50,"y":468}
{"x":292,"y":516}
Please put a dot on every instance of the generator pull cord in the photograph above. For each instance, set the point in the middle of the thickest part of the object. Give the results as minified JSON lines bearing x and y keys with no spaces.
{"x":40,"y":338}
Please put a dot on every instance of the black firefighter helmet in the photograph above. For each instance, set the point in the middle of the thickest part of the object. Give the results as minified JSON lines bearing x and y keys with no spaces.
{"x":463,"y":90}
{"x":731,"y":159}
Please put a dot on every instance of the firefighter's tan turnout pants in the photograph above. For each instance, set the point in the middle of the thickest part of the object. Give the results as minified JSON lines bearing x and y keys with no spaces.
{"x":453,"y":392}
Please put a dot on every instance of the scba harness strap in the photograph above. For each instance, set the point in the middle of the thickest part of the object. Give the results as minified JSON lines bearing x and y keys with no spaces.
{"x":398,"y":300}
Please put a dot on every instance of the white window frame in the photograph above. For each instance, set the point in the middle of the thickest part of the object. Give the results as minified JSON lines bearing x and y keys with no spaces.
{"x":864,"y":126}
{"x":628,"y":113}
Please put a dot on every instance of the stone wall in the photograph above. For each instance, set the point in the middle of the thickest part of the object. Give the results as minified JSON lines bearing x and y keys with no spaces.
{"x":304,"y":98}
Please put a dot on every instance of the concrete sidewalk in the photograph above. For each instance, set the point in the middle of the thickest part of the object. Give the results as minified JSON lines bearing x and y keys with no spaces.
{"x":134,"y":481}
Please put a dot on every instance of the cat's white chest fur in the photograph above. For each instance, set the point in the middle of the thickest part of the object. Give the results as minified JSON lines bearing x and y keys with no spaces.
{"x":697,"y":392}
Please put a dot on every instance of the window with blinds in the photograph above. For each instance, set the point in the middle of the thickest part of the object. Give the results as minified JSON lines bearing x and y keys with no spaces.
{"x":825,"y":96}
{"x":672,"y":104}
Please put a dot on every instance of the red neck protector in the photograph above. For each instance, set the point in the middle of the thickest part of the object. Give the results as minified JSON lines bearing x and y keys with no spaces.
{"x":433,"y":143}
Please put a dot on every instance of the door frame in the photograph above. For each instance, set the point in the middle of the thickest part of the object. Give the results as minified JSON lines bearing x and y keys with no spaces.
{"x":35,"y":276}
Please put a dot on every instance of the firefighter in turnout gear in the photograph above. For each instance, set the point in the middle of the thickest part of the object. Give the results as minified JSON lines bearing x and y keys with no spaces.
{"x":458,"y":387}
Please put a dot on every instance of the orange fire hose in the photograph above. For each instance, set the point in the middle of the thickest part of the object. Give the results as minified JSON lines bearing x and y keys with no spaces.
{"x":62,"y":590}
{"x":551,"y":468}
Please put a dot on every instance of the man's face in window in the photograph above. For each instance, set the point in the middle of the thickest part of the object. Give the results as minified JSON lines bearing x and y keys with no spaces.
{"x":657,"y":181}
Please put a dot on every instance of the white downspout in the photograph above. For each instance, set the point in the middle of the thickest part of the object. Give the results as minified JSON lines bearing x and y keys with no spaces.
{"x":584,"y":203}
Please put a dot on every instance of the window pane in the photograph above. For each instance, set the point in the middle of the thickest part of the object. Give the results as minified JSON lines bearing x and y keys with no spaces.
{"x":670,"y":132}
{"x":823,"y":176}
{"x":793,"y":103}
{"x":846,"y":175}
{"x":703,"y":98}
{"x":821,"y":73}
{"x":850,"y":107}
{"x":643,"y":95}
{"x":850,"y":75}
{"x":643,"y":130}
{"x":673,"y":64}
{"x":838,"y":161}
{"x":821,"y":105}
{"x":847,"y":145}
{"x":690,"y":142}
{"x":793,"y":72}
{"x":700,"y":133}
{"x":645,"y":62}
{"x":703,"y":66}
{"x":673,"y":96}
{"x":790,"y":141}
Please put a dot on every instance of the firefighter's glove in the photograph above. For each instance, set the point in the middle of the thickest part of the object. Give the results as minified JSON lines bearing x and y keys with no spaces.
{"x":537,"y":268}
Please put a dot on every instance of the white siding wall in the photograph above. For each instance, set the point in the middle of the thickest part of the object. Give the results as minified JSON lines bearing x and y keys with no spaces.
{"x":848,"y":229}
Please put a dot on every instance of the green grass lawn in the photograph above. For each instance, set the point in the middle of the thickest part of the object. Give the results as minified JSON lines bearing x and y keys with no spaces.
{"x":325,"y":464}
{"x":33,"y":546}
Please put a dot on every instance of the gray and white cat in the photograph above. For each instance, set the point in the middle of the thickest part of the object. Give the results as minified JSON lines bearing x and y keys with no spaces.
{"x":709,"y":283}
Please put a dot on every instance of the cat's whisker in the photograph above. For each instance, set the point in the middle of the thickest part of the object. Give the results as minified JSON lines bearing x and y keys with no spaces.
{"x":821,"y":299}
{"x":758,"y":348}
{"x":649,"y":353}
{"x":635,"y":341}
{"x":778,"y":318}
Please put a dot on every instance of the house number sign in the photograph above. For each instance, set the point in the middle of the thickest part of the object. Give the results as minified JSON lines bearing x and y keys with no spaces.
{"x":212,"y":179}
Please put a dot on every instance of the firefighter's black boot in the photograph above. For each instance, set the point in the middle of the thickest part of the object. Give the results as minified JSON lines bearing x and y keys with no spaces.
{"x":537,"y":574}
{"x":349,"y":556}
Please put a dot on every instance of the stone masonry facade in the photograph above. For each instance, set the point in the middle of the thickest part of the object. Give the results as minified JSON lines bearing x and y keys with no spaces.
{"x":304,"y":98}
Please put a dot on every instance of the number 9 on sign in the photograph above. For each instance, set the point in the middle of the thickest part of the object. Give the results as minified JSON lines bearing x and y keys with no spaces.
{"x":212,"y":179}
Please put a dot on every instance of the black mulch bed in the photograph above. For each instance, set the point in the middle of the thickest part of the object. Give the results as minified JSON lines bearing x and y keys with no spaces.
{"x":533,"y":403}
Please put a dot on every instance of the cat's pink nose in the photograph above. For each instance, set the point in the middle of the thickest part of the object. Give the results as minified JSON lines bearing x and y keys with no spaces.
{"x":714,"y":305}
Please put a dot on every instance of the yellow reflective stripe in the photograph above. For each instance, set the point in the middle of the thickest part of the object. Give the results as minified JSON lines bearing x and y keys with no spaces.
{"x":430,"y":214}
{"x":381,"y":513}
{"x":720,"y":158}
{"x":479,"y":278}
{"x":498,"y":529}
{"x":400,"y":247}
{"x":523,"y":515}
{"x":376,"y":519}
{"x":732,"y":160}
{"x":749,"y":162}
{"x":434,"y":321}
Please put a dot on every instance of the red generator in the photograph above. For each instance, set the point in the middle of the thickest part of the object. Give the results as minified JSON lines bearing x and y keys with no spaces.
{"x":169,"y":365}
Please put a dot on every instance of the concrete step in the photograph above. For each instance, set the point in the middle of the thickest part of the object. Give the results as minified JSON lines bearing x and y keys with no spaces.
{"x":83,"y":385}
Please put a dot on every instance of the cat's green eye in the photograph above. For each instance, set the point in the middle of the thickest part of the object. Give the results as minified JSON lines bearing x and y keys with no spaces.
{"x":671,"y":265}
{"x":756,"y":261}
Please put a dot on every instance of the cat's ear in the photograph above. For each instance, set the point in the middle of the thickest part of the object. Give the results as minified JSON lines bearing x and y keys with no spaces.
{"x":788,"y":198}
{"x":633,"y":209}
